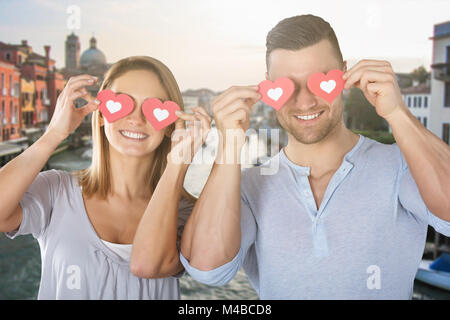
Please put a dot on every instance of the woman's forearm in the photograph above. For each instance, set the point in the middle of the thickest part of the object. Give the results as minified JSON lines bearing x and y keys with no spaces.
{"x":155,"y":252}
{"x":18,"y":174}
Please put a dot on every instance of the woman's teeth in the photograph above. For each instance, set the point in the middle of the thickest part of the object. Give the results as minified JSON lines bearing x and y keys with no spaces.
{"x":309,"y":117}
{"x":133,"y":135}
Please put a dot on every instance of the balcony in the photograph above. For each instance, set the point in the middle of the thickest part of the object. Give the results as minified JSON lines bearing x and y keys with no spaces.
{"x":441,"y":71}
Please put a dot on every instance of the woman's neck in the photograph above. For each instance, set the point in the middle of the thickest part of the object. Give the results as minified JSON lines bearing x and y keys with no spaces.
{"x":129,"y":175}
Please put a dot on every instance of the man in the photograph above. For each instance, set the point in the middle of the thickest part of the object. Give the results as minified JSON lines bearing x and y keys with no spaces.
{"x":345,"y":217}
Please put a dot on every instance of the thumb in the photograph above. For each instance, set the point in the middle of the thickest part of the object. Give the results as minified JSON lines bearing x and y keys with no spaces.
{"x":90,"y":107}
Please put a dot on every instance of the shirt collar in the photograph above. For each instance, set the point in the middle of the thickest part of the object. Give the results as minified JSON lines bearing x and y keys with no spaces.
{"x":348,"y":158}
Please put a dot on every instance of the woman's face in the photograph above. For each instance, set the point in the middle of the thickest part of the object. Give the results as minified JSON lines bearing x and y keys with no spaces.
{"x":133,"y":135}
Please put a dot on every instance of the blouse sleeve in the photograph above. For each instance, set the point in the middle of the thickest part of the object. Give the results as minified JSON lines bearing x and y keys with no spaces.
{"x":37,"y":204}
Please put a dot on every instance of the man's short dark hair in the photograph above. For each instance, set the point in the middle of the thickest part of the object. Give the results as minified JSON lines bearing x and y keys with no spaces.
{"x":299,"y":32}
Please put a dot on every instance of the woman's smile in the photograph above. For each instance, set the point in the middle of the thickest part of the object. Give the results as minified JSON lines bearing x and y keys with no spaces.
{"x":133,"y":135}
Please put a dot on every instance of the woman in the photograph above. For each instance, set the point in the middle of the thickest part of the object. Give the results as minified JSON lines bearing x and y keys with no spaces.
{"x":86,"y":222}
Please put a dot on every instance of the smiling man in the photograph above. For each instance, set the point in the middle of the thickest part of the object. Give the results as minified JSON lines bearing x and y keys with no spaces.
{"x":345,"y":217}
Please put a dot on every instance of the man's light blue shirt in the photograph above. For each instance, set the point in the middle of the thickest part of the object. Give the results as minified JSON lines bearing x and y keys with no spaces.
{"x":364,"y":242}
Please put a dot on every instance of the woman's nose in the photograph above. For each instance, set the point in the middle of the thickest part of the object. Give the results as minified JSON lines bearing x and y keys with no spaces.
{"x":137,"y":117}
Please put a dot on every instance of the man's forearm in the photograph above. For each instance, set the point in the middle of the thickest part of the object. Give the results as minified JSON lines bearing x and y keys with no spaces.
{"x":428,"y":159}
{"x":212,"y":235}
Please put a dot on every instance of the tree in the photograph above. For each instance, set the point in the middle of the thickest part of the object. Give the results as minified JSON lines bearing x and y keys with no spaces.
{"x":361,"y":114}
{"x":420,"y":74}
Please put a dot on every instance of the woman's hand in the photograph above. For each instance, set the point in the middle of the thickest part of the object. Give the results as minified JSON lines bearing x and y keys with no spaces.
{"x":67,"y":117}
{"x":187,"y":141}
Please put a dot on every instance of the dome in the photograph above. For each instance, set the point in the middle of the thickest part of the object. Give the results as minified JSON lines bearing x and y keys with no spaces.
{"x":92,"y":56}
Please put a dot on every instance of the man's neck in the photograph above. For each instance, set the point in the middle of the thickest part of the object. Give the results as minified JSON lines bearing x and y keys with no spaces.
{"x":325,"y":155}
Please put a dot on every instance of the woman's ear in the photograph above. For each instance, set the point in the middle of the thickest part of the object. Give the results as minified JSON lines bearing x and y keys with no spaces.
{"x":101,"y":119}
{"x":345,"y":66}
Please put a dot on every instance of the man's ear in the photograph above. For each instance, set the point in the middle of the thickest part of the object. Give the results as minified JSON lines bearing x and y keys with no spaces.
{"x":345,"y":66}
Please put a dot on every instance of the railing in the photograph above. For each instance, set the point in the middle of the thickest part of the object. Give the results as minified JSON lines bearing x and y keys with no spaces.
{"x":441,"y":71}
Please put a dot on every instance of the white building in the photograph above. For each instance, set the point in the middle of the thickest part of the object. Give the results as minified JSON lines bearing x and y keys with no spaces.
{"x":439,"y":122}
{"x":418,"y":99}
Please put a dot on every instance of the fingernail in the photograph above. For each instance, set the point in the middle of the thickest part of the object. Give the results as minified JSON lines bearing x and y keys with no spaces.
{"x":91,"y":80}
{"x":96,"y":101}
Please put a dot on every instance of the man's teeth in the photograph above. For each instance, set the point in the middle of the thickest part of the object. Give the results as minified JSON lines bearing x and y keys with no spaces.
{"x":133,"y":135}
{"x":310,"y":117}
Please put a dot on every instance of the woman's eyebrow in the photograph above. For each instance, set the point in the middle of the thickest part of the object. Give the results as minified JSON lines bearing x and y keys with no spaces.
{"x":162,"y":99}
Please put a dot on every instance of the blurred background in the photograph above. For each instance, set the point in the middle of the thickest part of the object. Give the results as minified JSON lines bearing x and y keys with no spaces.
{"x":209,"y":46}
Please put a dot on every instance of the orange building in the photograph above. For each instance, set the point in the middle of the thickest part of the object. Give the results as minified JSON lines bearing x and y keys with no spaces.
{"x":10,"y":113}
{"x":40,"y":81}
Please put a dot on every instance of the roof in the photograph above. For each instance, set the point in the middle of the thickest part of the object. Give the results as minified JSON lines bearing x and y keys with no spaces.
{"x":422,"y":88}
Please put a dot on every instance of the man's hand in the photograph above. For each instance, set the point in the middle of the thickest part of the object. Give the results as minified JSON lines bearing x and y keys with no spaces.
{"x":379,"y":84}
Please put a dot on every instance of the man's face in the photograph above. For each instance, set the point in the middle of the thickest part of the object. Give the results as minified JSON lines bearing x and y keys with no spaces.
{"x":298,"y":66}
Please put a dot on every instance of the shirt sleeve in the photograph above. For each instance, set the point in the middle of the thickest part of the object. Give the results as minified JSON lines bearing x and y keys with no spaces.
{"x":223,"y":274}
{"x":37,"y":204}
{"x":411,"y":200}
{"x":185,"y":208}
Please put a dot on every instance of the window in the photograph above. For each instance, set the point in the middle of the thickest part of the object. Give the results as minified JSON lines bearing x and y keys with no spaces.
{"x":425,"y":121}
{"x":445,"y":132}
{"x":11,"y":114}
{"x":425,"y":101}
{"x":420,"y":102}
{"x":415,"y":102}
{"x":418,"y":118}
{"x":447,"y":94}
{"x":3,"y":80}
{"x":8,"y":56}
{"x":409,"y":102}
{"x":3,"y":115}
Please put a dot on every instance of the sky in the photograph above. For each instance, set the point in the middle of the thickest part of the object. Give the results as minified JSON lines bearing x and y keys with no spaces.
{"x":216,"y":44}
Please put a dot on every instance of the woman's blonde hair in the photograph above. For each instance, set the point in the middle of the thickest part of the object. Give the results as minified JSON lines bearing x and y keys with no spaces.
{"x":96,"y":179}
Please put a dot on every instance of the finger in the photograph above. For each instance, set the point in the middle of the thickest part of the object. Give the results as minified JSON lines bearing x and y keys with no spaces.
{"x":238,"y":104}
{"x":76,"y":85}
{"x":184,"y":115}
{"x":205,"y":124}
{"x":179,"y":124}
{"x":227,"y":92}
{"x":237,"y":93}
{"x":364,"y":63}
{"x":365,"y":76}
{"x":81,"y":77}
{"x":203,"y":111}
{"x":78,"y":94}
{"x":90,"y":107}
{"x":359,"y":71}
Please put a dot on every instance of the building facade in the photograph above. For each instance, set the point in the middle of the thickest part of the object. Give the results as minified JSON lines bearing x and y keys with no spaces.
{"x":440,"y":82}
{"x":418,"y":99}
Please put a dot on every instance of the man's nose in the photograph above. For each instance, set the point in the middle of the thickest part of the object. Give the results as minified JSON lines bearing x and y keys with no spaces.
{"x":305,"y":99}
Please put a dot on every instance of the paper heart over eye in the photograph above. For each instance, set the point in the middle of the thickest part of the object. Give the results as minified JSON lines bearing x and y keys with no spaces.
{"x":114,"y":107}
{"x":276,"y":93}
{"x":328,"y":86}
{"x":159,"y":114}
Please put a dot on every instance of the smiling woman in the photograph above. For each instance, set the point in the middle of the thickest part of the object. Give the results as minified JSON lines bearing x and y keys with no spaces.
{"x":102,"y":229}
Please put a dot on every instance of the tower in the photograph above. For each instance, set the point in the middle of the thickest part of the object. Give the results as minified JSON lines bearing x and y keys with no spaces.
{"x":72,"y":51}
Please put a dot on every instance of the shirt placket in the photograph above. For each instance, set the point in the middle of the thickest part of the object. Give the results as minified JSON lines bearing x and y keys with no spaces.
{"x":317,"y":215}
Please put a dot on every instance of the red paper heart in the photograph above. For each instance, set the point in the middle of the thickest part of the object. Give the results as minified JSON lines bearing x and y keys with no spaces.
{"x":114,"y":107}
{"x":160,"y":114}
{"x":327,"y":87}
{"x":276,"y":93}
